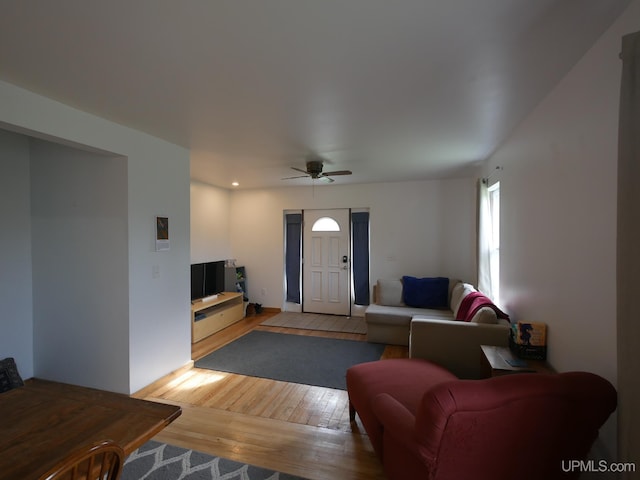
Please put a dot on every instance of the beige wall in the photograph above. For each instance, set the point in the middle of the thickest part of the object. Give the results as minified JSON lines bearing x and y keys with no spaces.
{"x":412,"y":232}
{"x":210,"y":208}
{"x":417,"y":228}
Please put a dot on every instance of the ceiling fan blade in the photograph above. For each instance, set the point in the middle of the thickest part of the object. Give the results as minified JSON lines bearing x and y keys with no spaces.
{"x":300,"y":170}
{"x":338,"y":172}
{"x":326,"y":179}
{"x":297,"y":176}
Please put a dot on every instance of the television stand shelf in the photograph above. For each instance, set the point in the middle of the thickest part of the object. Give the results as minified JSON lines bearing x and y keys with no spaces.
{"x":211,"y":315}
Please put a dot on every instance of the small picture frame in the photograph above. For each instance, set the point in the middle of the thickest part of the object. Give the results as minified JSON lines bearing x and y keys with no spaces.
{"x":162,"y":234}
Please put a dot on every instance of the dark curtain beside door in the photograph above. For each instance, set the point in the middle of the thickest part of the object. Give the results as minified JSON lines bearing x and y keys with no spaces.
{"x":360,"y":264}
{"x":293,"y":255}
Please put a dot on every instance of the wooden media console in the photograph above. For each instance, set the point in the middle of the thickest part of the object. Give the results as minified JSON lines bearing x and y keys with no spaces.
{"x":211,"y":315}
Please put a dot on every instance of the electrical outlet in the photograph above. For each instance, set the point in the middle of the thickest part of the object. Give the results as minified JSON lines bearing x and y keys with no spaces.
{"x":263,"y":292}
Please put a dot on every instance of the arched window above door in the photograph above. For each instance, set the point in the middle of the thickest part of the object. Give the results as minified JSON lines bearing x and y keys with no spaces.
{"x":325,"y":224}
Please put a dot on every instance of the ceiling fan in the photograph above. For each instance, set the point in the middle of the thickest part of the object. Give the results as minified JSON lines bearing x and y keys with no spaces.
{"x":314,"y":170}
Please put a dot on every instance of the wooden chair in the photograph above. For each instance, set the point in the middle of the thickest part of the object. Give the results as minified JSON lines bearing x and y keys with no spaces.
{"x":102,"y":460}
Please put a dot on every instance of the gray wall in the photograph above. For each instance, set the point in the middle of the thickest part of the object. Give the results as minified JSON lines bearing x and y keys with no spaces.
{"x":80,"y":266}
{"x":558,"y":197}
{"x":16,"y":298}
{"x":91,"y":211}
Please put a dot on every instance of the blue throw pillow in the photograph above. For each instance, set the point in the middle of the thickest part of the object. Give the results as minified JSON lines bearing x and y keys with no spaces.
{"x":431,"y":292}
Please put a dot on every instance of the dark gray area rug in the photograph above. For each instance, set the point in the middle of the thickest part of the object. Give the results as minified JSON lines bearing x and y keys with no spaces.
{"x":161,"y":461}
{"x":292,"y":358}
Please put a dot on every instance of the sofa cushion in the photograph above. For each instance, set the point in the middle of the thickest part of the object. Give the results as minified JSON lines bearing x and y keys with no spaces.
{"x":428,"y":292}
{"x":452,"y":283}
{"x":460,"y":291}
{"x":389,"y":292}
{"x":485,"y":315}
{"x":456,"y":295}
{"x":386,"y":315}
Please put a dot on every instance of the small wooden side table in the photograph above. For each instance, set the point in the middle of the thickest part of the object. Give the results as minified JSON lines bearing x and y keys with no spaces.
{"x":495,"y":359}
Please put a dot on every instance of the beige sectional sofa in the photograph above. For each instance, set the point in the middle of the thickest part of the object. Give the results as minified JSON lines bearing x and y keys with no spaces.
{"x":433,"y":333}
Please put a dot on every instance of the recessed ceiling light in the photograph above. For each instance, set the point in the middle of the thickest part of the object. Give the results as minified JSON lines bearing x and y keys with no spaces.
{"x":235,"y":184}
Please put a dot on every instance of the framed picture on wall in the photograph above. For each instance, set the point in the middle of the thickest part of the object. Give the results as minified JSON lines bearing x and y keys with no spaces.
{"x":162,"y":234}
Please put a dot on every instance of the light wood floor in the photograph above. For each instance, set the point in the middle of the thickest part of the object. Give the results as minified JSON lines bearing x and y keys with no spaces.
{"x":297,"y":429}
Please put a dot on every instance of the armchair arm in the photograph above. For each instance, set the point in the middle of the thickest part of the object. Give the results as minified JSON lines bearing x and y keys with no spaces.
{"x":454,"y":344}
{"x":396,"y":420}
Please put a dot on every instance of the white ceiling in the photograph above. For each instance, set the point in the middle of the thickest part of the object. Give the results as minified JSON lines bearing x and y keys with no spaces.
{"x":392,"y":90}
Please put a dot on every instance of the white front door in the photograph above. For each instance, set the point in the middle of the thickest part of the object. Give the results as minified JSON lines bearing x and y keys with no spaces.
{"x":326,"y":269}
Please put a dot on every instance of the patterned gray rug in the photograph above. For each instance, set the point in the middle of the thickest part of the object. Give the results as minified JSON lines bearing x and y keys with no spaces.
{"x":161,"y":461}
{"x":317,"y":321}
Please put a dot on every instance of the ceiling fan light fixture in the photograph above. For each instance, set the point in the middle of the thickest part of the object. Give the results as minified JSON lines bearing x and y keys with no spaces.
{"x":314,"y":170}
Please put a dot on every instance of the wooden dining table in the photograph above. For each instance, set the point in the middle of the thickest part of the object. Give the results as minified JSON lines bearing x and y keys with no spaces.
{"x":43,"y":421}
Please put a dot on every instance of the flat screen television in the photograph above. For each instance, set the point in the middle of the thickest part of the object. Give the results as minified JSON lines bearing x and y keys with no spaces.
{"x":207,"y":279}
{"x":197,"y":281}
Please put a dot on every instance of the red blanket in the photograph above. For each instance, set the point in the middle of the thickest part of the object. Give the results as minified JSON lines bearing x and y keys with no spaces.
{"x":474,"y":302}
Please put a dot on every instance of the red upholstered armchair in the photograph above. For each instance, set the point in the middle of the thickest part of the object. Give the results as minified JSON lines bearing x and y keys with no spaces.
{"x":516,"y":426}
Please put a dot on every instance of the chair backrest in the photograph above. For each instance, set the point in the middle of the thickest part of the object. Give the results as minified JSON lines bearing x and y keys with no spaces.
{"x":525,"y":426}
{"x":102,"y":460}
